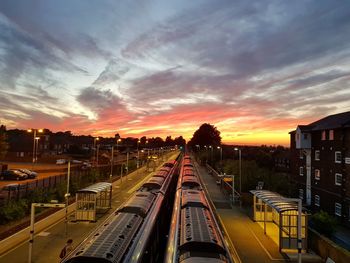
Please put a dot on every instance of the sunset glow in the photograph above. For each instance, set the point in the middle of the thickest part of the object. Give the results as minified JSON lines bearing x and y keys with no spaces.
{"x":254,"y":69}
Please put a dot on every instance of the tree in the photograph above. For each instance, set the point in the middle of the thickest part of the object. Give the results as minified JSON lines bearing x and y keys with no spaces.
{"x":324,"y":223}
{"x":3,"y":142}
{"x":207,"y":134}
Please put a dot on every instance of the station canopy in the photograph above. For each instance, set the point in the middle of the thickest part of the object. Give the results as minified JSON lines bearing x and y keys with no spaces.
{"x":275,"y":200}
{"x":96,"y":188}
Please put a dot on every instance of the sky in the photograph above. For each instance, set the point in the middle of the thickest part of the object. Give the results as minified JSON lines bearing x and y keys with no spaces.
{"x":254,"y":69}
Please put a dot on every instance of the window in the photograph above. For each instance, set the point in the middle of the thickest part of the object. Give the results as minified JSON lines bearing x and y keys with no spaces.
{"x":331,"y":135}
{"x":323,"y":136}
{"x":297,"y":137}
{"x":301,"y":154}
{"x":317,"y":155}
{"x":338,"y":179}
{"x":305,"y":136}
{"x":338,"y":157}
{"x":337,"y":209}
{"x":301,"y":194}
{"x":317,"y":200}
{"x":301,"y":171}
{"x":317,"y":174}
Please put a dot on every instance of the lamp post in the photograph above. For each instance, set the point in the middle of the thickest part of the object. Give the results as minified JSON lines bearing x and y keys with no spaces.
{"x":112,"y":163}
{"x":220,"y":148}
{"x":34,"y":141}
{"x":240,"y":169}
{"x":211,"y":155}
{"x":67,"y":195}
{"x":95,"y":141}
{"x":112,"y":160}
{"x":138,"y":156}
{"x":36,"y":148}
{"x":127,"y":162}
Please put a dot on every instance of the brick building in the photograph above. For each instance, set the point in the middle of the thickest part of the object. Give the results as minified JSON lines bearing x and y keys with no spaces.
{"x":320,"y":164}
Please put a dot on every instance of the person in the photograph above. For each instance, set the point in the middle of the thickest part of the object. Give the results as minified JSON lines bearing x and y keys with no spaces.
{"x":66,"y":249}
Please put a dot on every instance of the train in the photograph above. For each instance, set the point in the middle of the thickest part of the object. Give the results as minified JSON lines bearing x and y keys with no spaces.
{"x":135,"y":231}
{"x":194,"y":234}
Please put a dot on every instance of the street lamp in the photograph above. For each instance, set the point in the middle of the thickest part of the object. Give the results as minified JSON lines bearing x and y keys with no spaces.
{"x":95,"y":151}
{"x":138,"y":157}
{"x":240,"y":168}
{"x":211,"y":155}
{"x":112,"y":159}
{"x":36,"y":148}
{"x":34,"y":141}
{"x":220,"y":152}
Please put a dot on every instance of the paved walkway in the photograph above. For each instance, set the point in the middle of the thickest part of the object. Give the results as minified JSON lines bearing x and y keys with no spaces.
{"x":246,"y":236}
{"x":48,"y":243}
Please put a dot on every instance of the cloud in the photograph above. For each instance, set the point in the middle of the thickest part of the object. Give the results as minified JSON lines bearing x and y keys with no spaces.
{"x":147,"y":68}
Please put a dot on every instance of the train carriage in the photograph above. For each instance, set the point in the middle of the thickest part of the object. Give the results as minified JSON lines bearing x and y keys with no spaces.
{"x":133,"y":233}
{"x":194,"y":235}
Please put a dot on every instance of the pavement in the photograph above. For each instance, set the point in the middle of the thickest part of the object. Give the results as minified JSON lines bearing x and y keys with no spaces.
{"x":342,"y":237}
{"x":49,"y":241}
{"x":247,"y":238}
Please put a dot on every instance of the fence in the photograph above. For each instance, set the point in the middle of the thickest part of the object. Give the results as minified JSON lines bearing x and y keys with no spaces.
{"x":225,"y":186}
{"x":79,"y":177}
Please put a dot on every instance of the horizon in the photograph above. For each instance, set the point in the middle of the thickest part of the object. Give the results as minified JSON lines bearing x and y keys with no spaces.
{"x":255,"y":70}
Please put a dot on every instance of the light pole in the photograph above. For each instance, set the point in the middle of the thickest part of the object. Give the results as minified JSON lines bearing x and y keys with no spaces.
{"x":211,"y":155}
{"x":112,"y":160}
{"x":67,"y":195}
{"x":95,"y":141}
{"x":127,"y":162}
{"x":220,"y":153}
{"x":34,"y":141}
{"x":36,"y":148}
{"x":138,"y":156}
{"x":118,"y":141}
{"x":240,"y":169}
{"x":112,"y":163}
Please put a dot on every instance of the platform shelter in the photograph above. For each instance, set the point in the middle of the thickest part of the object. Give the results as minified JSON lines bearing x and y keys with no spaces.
{"x":91,"y":200}
{"x":278,"y":215}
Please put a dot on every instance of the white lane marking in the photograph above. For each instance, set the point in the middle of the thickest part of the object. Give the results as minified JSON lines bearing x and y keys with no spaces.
{"x":262,"y":246}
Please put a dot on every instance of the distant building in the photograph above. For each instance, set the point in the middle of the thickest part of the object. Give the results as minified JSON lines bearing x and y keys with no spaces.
{"x":320,"y":164}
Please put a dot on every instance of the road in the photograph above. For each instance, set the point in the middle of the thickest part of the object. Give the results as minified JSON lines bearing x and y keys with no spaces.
{"x":49,"y":242}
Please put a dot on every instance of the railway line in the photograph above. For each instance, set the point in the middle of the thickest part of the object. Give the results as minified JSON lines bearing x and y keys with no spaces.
{"x":144,"y":229}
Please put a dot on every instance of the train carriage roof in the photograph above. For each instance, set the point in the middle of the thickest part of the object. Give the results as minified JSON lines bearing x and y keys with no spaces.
{"x":193,"y":198}
{"x":139,"y":204}
{"x":154,"y":183}
{"x":198,"y":231}
{"x":190,"y":181}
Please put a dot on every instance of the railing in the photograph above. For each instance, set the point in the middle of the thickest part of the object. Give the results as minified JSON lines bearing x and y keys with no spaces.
{"x":225,"y":187}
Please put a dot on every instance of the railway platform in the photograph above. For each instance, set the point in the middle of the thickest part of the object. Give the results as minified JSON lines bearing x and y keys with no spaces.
{"x":247,"y":238}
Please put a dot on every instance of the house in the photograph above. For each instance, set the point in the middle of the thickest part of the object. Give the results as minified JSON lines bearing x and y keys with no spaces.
{"x":320,"y":164}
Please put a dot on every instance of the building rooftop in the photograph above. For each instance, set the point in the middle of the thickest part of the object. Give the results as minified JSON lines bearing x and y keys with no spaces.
{"x":334,"y":121}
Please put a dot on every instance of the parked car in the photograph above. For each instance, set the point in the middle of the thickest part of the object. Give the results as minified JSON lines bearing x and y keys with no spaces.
{"x":86,"y":165}
{"x":77,"y":161}
{"x":13,"y":175}
{"x":61,"y":161}
{"x":31,"y":174}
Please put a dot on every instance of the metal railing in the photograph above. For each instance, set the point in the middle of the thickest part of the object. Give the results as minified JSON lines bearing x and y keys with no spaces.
{"x":225,"y":187}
